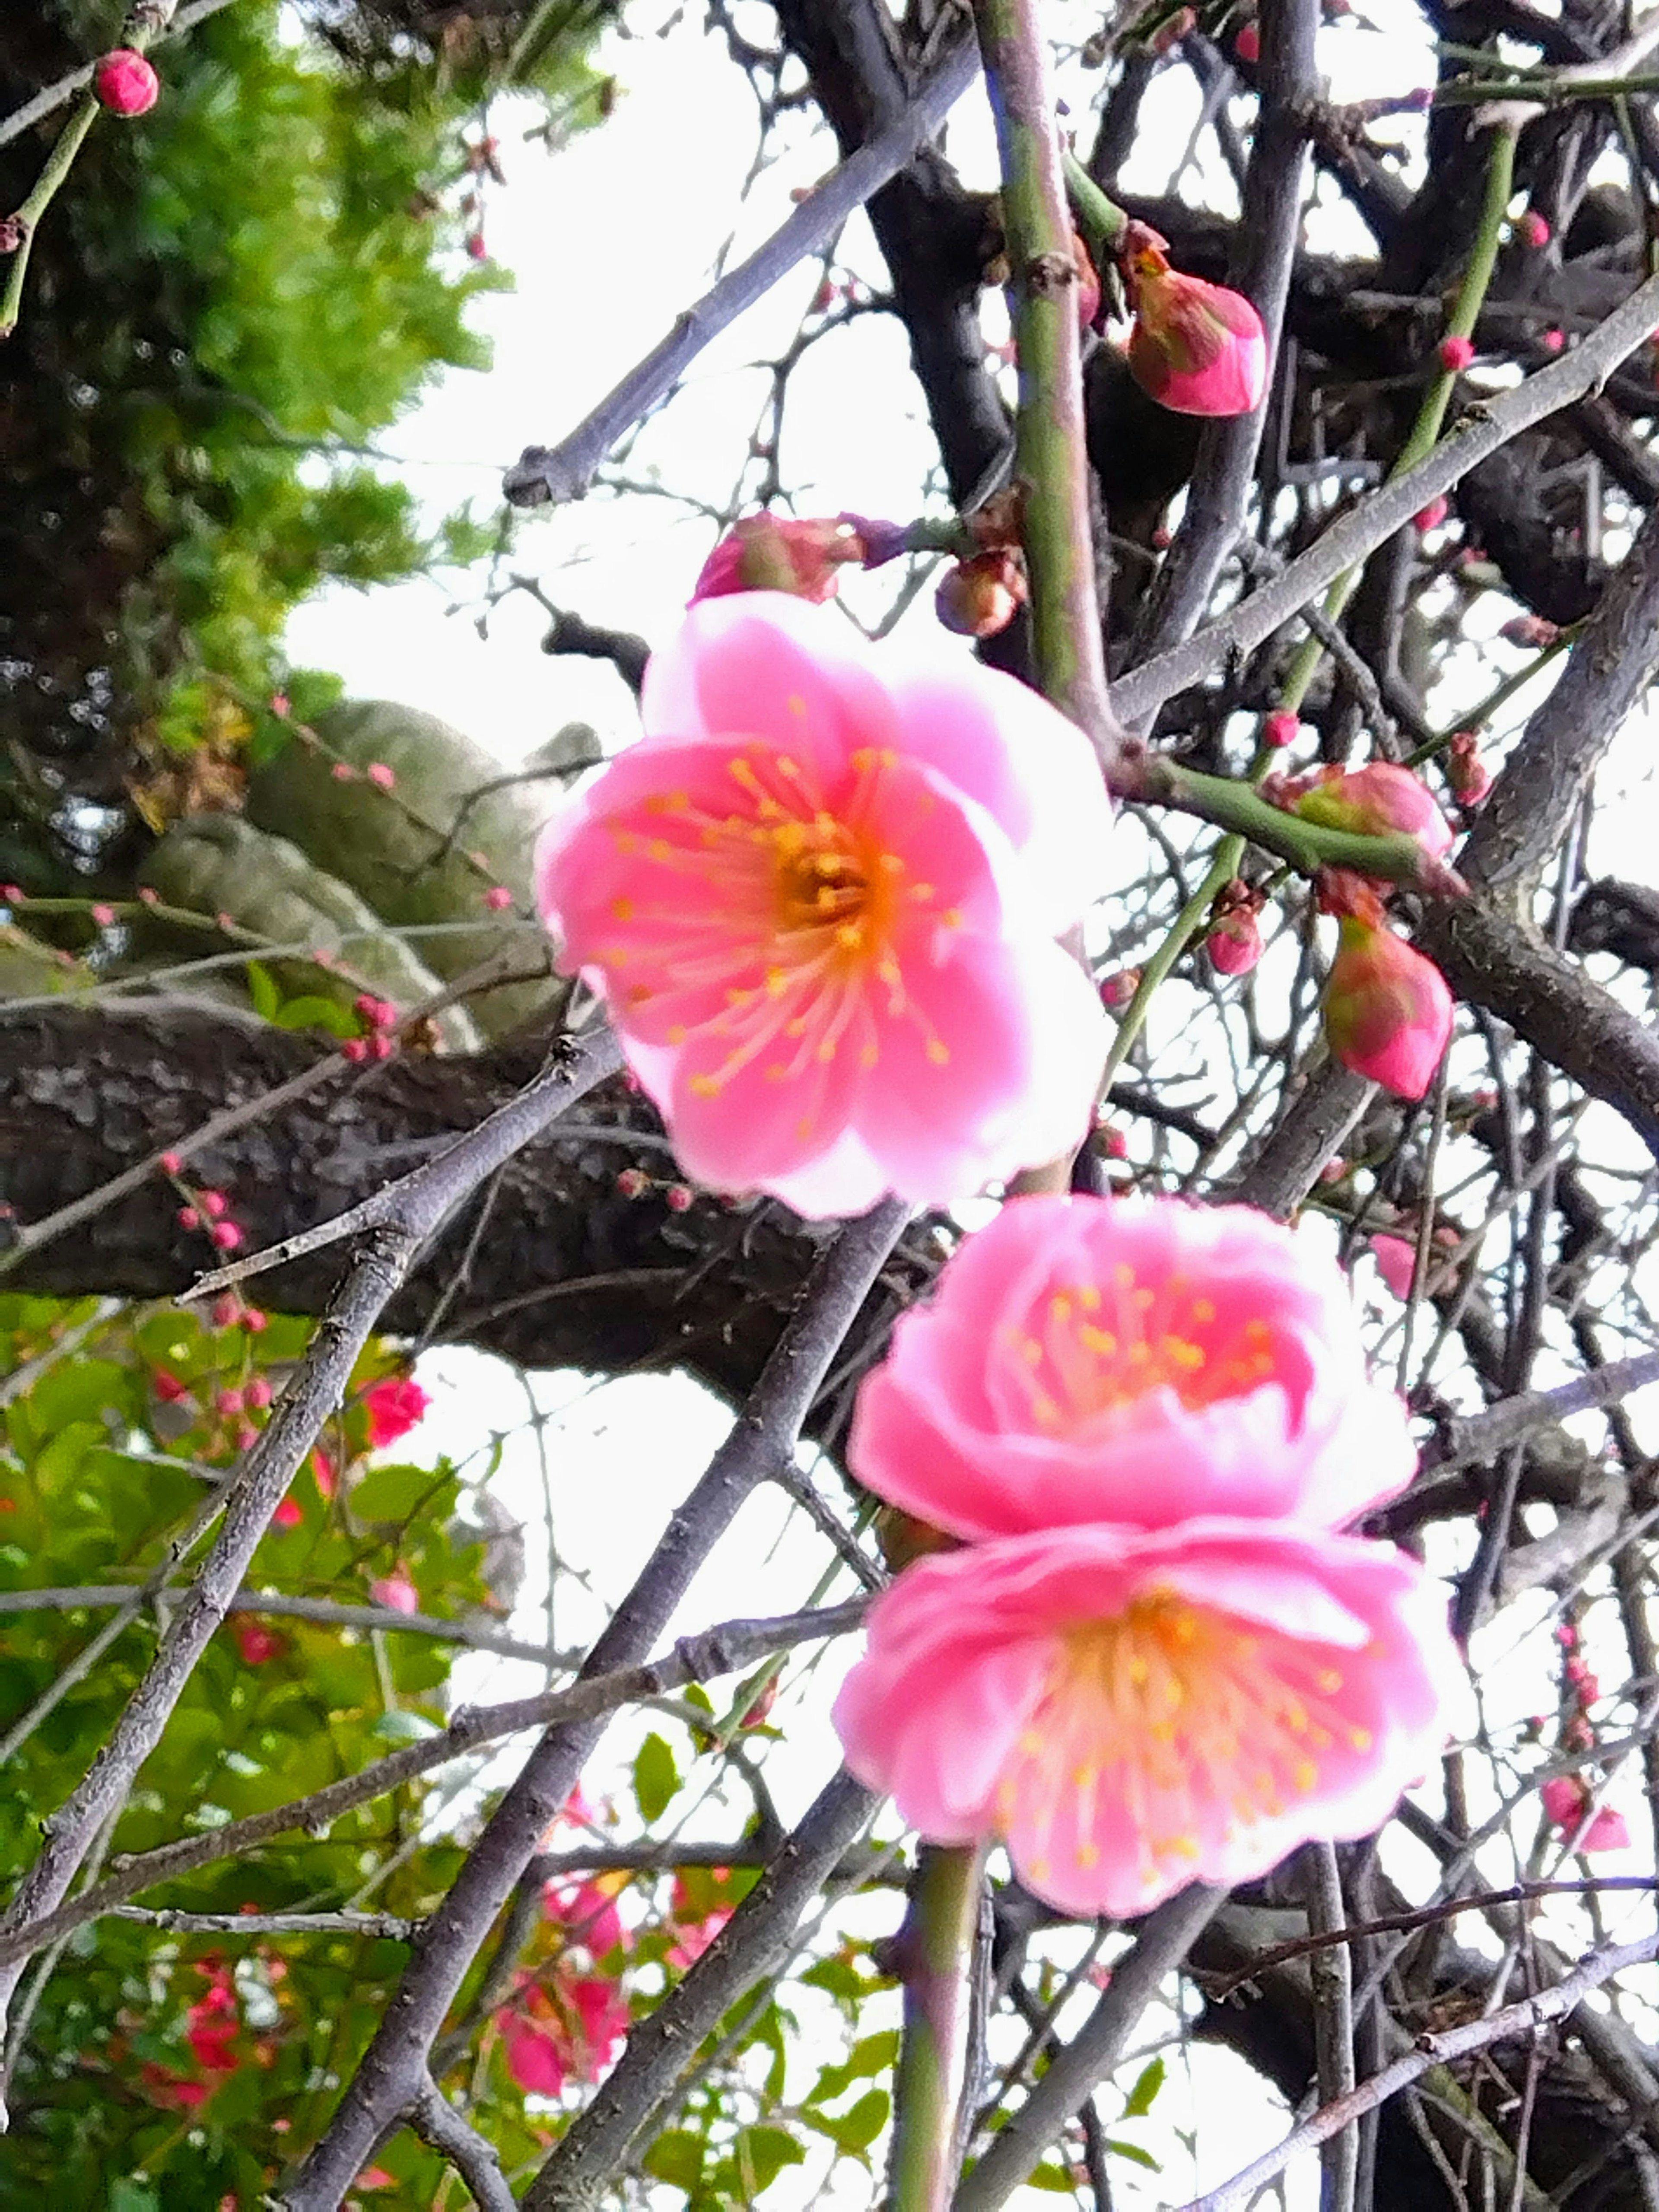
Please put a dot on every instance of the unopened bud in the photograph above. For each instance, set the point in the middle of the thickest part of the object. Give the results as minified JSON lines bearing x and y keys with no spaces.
{"x":125,"y":83}
{"x":979,"y":597}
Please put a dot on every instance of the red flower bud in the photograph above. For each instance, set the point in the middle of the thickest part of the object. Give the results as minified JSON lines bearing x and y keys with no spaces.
{"x":633,"y":1182}
{"x":678,"y":1198}
{"x":1387,"y":1011}
{"x":1529,"y":630}
{"x":1280,"y":728}
{"x":1533,"y":229}
{"x":1118,"y":989}
{"x":1248,"y":44}
{"x":1233,"y":943}
{"x":1552,"y":340}
{"x":768,"y":552}
{"x":125,"y":83}
{"x":1466,"y":772}
{"x":1431,"y":516}
{"x":226,"y":1235}
{"x":1197,"y":347}
{"x":1456,"y":355}
{"x":981,"y":596}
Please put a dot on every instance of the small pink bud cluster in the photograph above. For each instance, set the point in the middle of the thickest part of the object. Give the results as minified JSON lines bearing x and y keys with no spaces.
{"x":125,"y":83}
{"x":202,"y":1208}
{"x":1568,"y":1802}
{"x":382,"y":1019}
{"x":634,"y":1183}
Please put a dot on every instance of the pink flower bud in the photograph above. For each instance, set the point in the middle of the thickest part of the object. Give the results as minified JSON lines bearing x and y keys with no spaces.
{"x":168,"y":1388}
{"x":189,"y":1217}
{"x":227,"y":1311}
{"x":1552,"y":340}
{"x":125,"y":83}
{"x":498,"y":898}
{"x":169,"y":1163}
{"x":356,"y":1048}
{"x":1466,"y":772}
{"x":1397,"y":1262}
{"x":1456,"y":355}
{"x":259,"y":1393}
{"x":255,"y":1322}
{"x":1387,"y":1011}
{"x":678,"y":1198}
{"x":768,"y":552}
{"x":380,"y":1046}
{"x":1280,"y":728}
{"x":11,"y":894}
{"x":1431,"y":516}
{"x":1117,"y":990}
{"x":1533,"y":229}
{"x":1233,"y":943}
{"x":1197,"y":347}
{"x":398,"y":1592}
{"x":255,"y":1643}
{"x":288,"y":1514}
{"x":1375,"y":801}
{"x":343,"y":772}
{"x":1111,"y":1142}
{"x":1529,"y":630}
{"x":477,"y":250}
{"x":379,"y":774}
{"x":149,"y":896}
{"x":633,"y":1182}
{"x":979,"y":597}
{"x":279,"y":704}
{"x":365,"y":1004}
{"x":1248,"y":44}
{"x":230,"y":1401}
{"x":214,"y":1205}
{"x":226,"y":1235}
{"x":103,"y":915}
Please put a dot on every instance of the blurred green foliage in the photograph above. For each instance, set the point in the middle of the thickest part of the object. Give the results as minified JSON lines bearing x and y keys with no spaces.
{"x":228,"y":300}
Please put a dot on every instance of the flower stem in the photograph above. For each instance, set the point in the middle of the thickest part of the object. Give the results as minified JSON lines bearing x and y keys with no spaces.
{"x":1050,"y":466}
{"x":1431,"y":415}
{"x":937,"y":1943}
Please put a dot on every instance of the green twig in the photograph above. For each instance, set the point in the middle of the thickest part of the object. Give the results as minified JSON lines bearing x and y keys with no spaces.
{"x":937,"y":1944}
{"x":1050,"y":466}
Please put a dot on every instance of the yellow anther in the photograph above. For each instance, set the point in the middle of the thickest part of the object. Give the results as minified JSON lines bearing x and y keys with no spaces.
{"x":622,"y":910}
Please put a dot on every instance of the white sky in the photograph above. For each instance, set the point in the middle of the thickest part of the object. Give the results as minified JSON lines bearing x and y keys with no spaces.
{"x":608,"y":241}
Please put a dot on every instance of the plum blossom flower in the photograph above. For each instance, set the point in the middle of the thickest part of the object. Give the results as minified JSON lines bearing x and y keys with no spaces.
{"x":1387,"y":1011}
{"x":397,"y":1592}
{"x":1566,"y":1801}
{"x":568,"y":2030}
{"x":820,"y":901}
{"x":1197,"y":347}
{"x":394,"y":1407}
{"x":588,"y":1914}
{"x":768,"y":552}
{"x":1397,"y":1262}
{"x":1132,"y":1361}
{"x":1129,"y":1711}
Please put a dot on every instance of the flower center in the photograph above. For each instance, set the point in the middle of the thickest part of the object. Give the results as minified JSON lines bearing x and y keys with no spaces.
{"x":1089,"y":1348}
{"x":1176,"y":1720}
{"x":825,"y":881}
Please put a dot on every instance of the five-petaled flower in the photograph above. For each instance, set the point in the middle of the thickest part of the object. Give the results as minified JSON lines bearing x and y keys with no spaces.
{"x":820,"y":900}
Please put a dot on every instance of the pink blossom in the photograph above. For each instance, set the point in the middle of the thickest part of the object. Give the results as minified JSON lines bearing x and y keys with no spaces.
{"x":1375,"y":801}
{"x":587,"y":1913}
{"x":210,"y":2025}
{"x":343,"y":772}
{"x":1397,"y":1262}
{"x":256,"y":1643}
{"x":170,"y":1163}
{"x":820,"y":901}
{"x":125,"y":83}
{"x":1197,"y":347}
{"x":226,"y":1235}
{"x":768,"y":552}
{"x":102,"y":914}
{"x":1552,"y":340}
{"x":1248,"y":44}
{"x":288,"y":1514}
{"x":189,"y":1217}
{"x":570,"y":2030}
{"x":1129,"y":1360}
{"x":1455,"y":354}
{"x":379,"y":772}
{"x":1387,"y":1011}
{"x":498,"y":898}
{"x":1129,"y":1712}
{"x":397,"y":1592}
{"x":1566,"y":1801}
{"x":356,"y":1048}
{"x":394,"y":1406}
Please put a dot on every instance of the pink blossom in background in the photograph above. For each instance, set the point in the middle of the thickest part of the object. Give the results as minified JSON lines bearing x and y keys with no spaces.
{"x":1387,"y":1011}
{"x":695,"y":1925}
{"x":397,"y":1592}
{"x":820,"y":901}
{"x":1397,"y":1262}
{"x":1375,"y":801}
{"x":1131,"y":1711}
{"x":568,"y":2030}
{"x":394,"y":1407}
{"x":211,"y":2025}
{"x":1199,"y":349}
{"x":288,"y":1515}
{"x":587,"y":1913}
{"x":1129,"y":1360}
{"x":256,"y":1643}
{"x":1566,"y":1800}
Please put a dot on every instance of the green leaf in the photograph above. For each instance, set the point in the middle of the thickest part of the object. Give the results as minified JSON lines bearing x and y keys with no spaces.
{"x":873,"y":2054}
{"x":1050,"y":2176}
{"x":677,"y":2157}
{"x":656,"y":1779}
{"x":262,"y":989}
{"x":1134,"y":2153}
{"x":126,"y":2196}
{"x":1146,"y":2090}
{"x":313,"y":1012}
{"x":854,"y":2130}
{"x":764,"y":2152}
